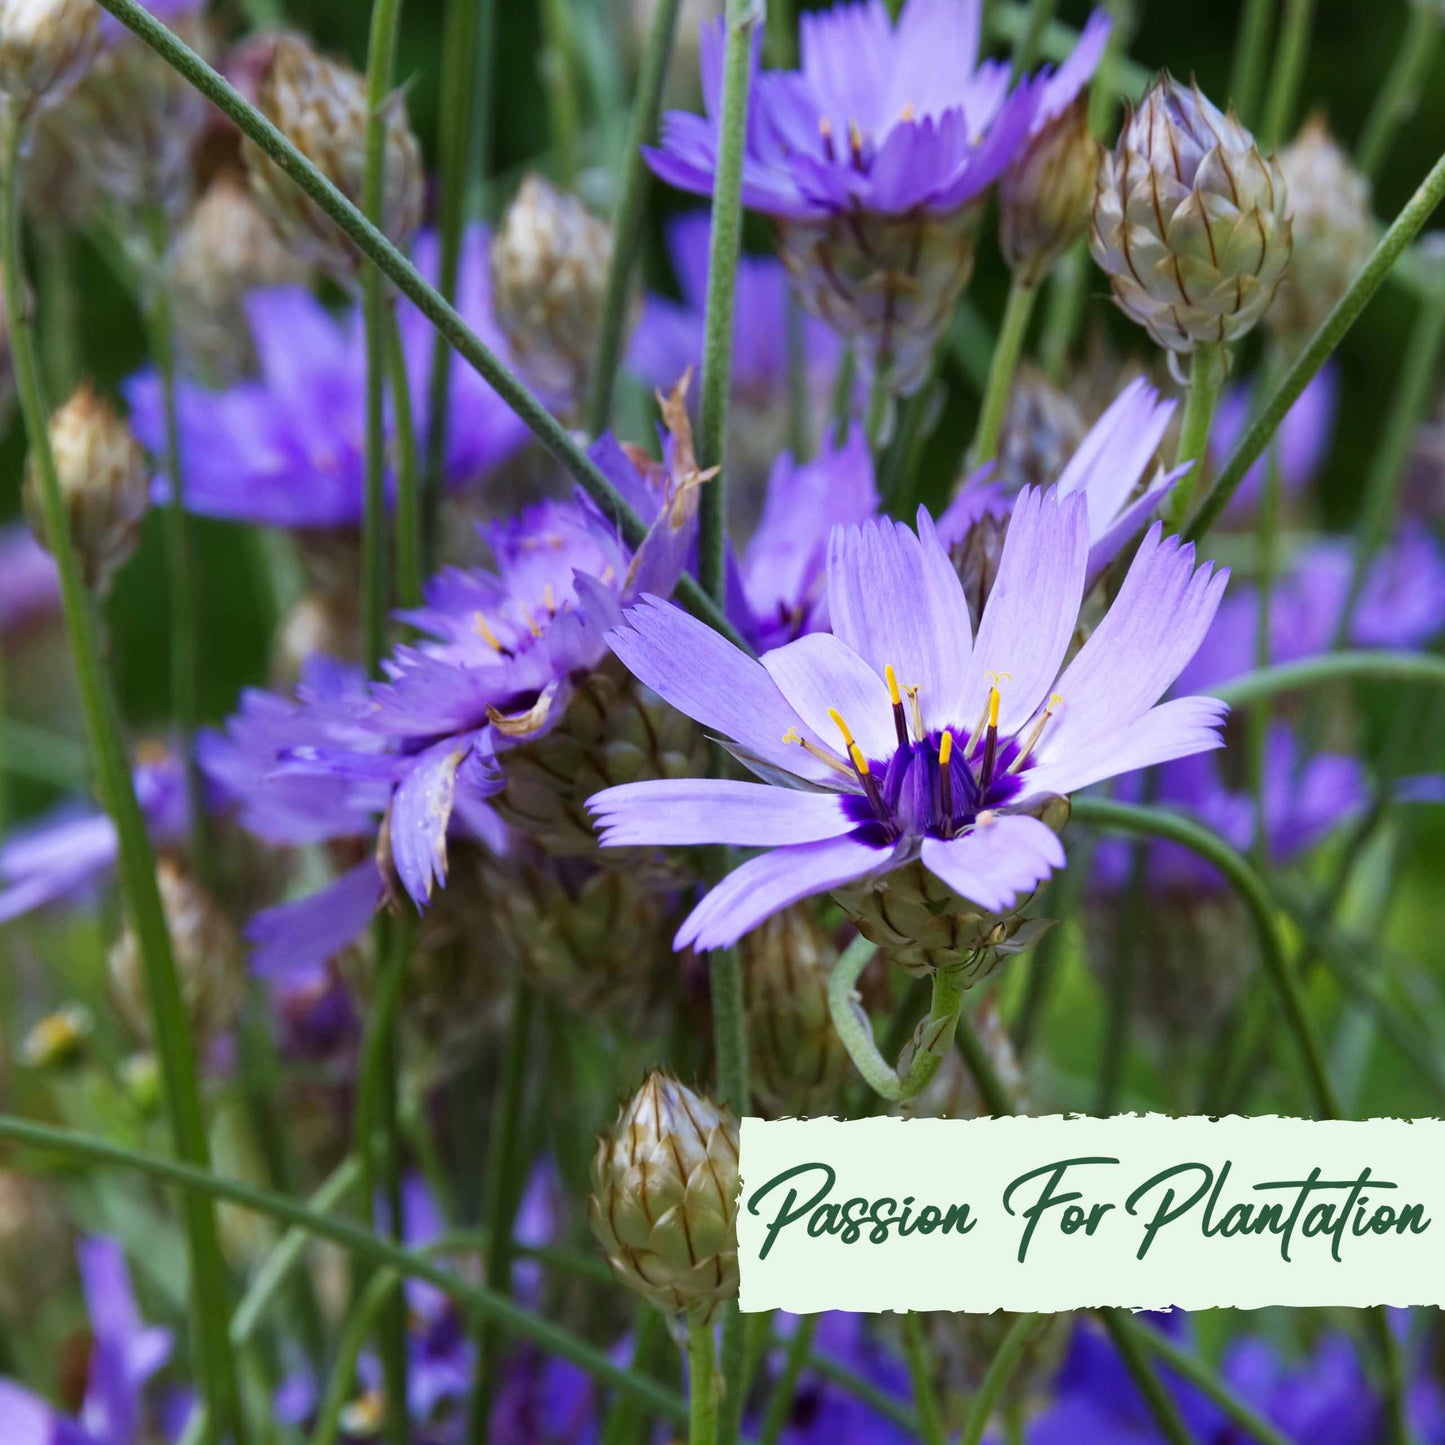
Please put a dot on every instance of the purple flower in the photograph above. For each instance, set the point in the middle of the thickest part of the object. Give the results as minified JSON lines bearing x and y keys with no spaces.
{"x":899,"y":736}
{"x":29,"y":583}
{"x":288,"y":448}
{"x":125,"y":1354}
{"x":74,"y":849}
{"x":881,"y":117}
{"x":668,"y":338}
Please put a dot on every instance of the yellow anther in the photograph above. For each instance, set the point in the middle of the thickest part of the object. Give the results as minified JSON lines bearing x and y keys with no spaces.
{"x":549,"y":599}
{"x":859,"y":761}
{"x":841,"y":726}
{"x":825,"y":127}
{"x":855,"y":138}
{"x":479,"y":623}
{"x":1055,"y":699}
{"x":945,"y":749}
{"x":791,"y":736}
{"x":917,"y":711}
{"x":891,"y":677}
{"x":993,"y":702}
{"x":908,"y":112}
{"x":529,"y":620}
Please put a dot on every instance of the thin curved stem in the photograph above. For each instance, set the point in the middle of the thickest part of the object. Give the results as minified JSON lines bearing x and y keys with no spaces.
{"x":562,"y":111}
{"x":408,"y":497}
{"x":701,"y":1386}
{"x":354,"y":1334}
{"x":357,"y":1240}
{"x":1400,"y":94}
{"x":631,"y":208}
{"x":1330,"y":668}
{"x":991,"y":1087}
{"x":925,"y":1400}
{"x":780,"y":1400}
{"x":1006,"y":354}
{"x":1250,"y":47}
{"x":1159,"y":823}
{"x":1026,"y":46}
{"x":1161,"y":1403}
{"x":370,"y":241}
{"x":1207,"y":370}
{"x":1368,"y":279}
{"x":1289,"y":65}
{"x":174,"y":1045}
{"x":1000,"y":1372}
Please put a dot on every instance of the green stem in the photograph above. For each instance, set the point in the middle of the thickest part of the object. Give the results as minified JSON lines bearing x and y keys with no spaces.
{"x":1009,"y":21}
{"x":359,"y":1240}
{"x":354,"y":1334}
{"x":1258,"y":721}
{"x":408,"y":499}
{"x":1207,"y":370}
{"x":373,"y":244}
{"x":468,"y":46}
{"x":863,"y":1389}
{"x":1289,"y":64}
{"x":1158,"y":823}
{"x":1393,"y":1368}
{"x":623,"y":1418}
{"x":504,"y":1167}
{"x":1331,"y":668}
{"x":1064,"y":311}
{"x":856,"y":1032}
{"x":171,"y":1029}
{"x":1250,"y":47}
{"x":631,"y":209}
{"x":878,"y":425}
{"x":800,"y":400}
{"x":1389,"y":465}
{"x":782,"y":39}
{"x":1319,"y":347}
{"x":1161,"y":1403}
{"x":1001,"y":371}
{"x":36,"y":752}
{"x":562,"y":111}
{"x":991,"y":1087}
{"x":925,"y":1401}
{"x":780,"y":1401}
{"x":1026,"y":46}
{"x":1000,"y":1371}
{"x":701,"y":1387}
{"x":1399,"y":96}
{"x":184,"y":624}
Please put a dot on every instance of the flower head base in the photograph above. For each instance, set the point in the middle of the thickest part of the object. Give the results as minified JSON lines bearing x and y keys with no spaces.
{"x":45,"y":47}
{"x":1334,"y":231}
{"x":104,"y":485}
{"x":901,"y":739}
{"x":1190,"y":222}
{"x":320,"y":106}
{"x":664,"y":1199}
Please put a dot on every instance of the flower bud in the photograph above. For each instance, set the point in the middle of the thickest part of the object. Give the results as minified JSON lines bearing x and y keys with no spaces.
{"x":1334,"y":231}
{"x":799,"y":1063}
{"x":45,"y":46}
{"x":1045,"y":194}
{"x":208,"y":957}
{"x":1043,"y":427}
{"x":1189,"y":221}
{"x":664,"y":1199}
{"x":225,"y":250}
{"x":887,"y":283}
{"x":320,"y":106}
{"x":549,"y":259}
{"x":953,"y":1093}
{"x":59,"y":1040}
{"x":104,"y":485}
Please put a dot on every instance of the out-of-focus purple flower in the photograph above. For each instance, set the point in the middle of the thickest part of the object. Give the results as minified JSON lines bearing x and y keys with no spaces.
{"x":29,"y":583}
{"x":1302,"y":442}
{"x":668,"y":338}
{"x":288,"y":449}
{"x":1106,"y":470}
{"x":860,"y":781}
{"x":74,"y":849}
{"x":125,"y":1355}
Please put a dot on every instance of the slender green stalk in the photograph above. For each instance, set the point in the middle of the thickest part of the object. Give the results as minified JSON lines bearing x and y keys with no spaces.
{"x":174,"y":1045}
{"x":370,"y":241}
{"x":409,"y":563}
{"x":1008,"y":21}
{"x":36,"y":752}
{"x":1001,"y":371}
{"x":504,"y":1167}
{"x":1250,"y":48}
{"x":1314,"y":354}
{"x":782,"y":39}
{"x":702,"y":1385}
{"x":780,"y":1401}
{"x":800,"y":401}
{"x":1332,"y":668}
{"x":180,"y":570}
{"x":557,"y":79}
{"x":1161,"y":1403}
{"x":925,"y":1400}
{"x":1258,"y":721}
{"x":623,"y":1419}
{"x":1207,"y":370}
{"x":1399,"y":96}
{"x":1393,"y":1367}
{"x":468,"y":53}
{"x":631,"y":209}
{"x":60,"y":302}
{"x":1289,"y":65}
{"x":882,"y":408}
{"x":358,"y":1240}
{"x":1064,"y":311}
{"x":1388,"y":467}
{"x":1026,"y":46}
{"x":1122,"y":969}
{"x":1159,"y":823}
{"x":354,"y":1334}
{"x":1000,"y":1371}
{"x":863,"y":1389}
{"x":991,"y":1088}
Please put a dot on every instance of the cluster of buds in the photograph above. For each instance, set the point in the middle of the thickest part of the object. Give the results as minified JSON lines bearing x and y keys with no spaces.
{"x":549,"y":261}
{"x":1334,"y":232}
{"x":208,"y":958}
{"x":320,"y":106}
{"x":665,"y":1199}
{"x":1045,"y":195}
{"x":104,"y":485}
{"x":45,"y":47}
{"x":1190,"y":221}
